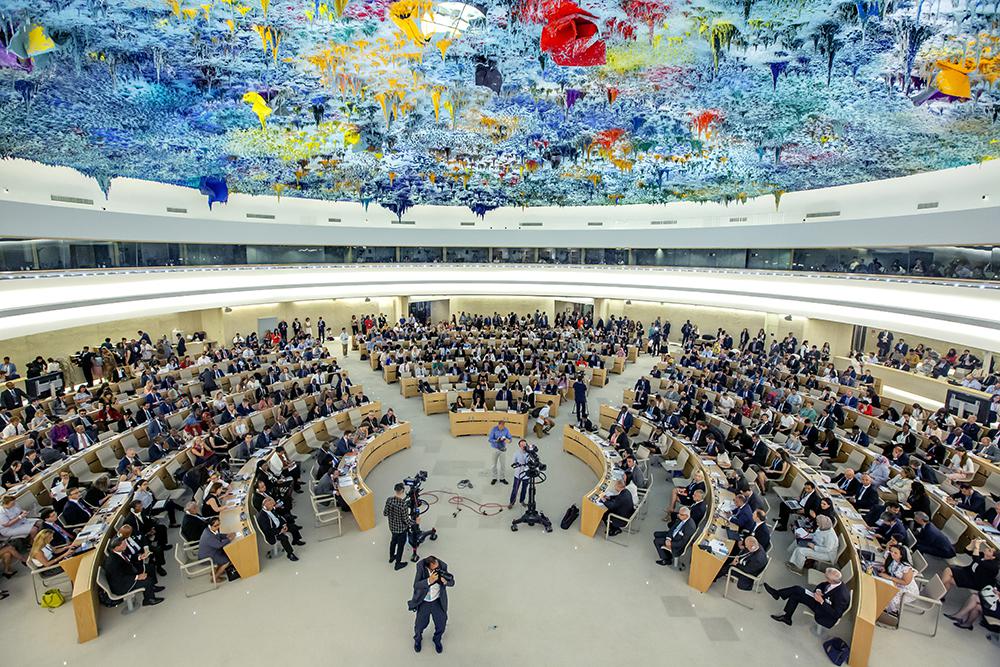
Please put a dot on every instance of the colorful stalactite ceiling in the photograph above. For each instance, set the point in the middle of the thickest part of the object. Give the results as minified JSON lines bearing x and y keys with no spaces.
{"x":500,"y":103}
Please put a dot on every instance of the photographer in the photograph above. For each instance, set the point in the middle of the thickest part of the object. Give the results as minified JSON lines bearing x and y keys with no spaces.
{"x":397,"y":510}
{"x":520,"y":466}
{"x":430,"y":600}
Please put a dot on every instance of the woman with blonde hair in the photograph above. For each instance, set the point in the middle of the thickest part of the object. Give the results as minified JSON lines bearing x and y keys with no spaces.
{"x":42,"y":553}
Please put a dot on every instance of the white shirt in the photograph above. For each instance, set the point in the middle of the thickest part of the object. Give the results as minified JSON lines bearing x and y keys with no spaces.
{"x":543,"y":414}
{"x":433,"y":593}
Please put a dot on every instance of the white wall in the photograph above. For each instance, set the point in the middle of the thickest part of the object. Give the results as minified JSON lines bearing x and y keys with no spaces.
{"x":487,"y":305}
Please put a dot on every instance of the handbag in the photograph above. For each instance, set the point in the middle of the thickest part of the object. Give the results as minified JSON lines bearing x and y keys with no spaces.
{"x":837,"y":650}
{"x":52,"y":599}
{"x":724,"y":461}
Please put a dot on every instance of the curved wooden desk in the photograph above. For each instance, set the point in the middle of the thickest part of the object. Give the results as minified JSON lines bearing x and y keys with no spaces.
{"x":705,"y":563}
{"x":479,"y":422}
{"x":235,"y":518}
{"x":590,"y":448}
{"x":354,"y":468}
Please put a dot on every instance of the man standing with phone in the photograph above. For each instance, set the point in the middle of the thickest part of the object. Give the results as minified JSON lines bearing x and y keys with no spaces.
{"x":499,"y":437}
{"x":430,"y":600}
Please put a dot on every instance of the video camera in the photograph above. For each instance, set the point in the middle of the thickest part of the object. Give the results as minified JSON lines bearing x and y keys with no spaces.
{"x":533,"y":466}
{"x":416,"y":480}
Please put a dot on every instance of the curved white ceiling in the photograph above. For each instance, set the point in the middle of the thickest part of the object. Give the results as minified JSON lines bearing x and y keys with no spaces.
{"x":960,"y":206}
{"x":962,"y":315}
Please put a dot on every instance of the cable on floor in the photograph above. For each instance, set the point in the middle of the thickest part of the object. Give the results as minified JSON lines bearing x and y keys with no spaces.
{"x":482,"y":509}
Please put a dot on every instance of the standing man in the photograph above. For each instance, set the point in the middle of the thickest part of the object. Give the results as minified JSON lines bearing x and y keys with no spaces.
{"x":321,"y":329}
{"x":344,"y":339}
{"x":499,"y":437}
{"x":397,"y":510}
{"x":580,"y":398}
{"x":430,"y":600}
{"x":520,"y":466}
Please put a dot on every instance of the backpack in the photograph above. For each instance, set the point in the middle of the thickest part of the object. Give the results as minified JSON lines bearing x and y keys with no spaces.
{"x":588,"y":425}
{"x":52,"y":599}
{"x":537,"y":411}
{"x":569,"y":517}
{"x":837,"y":650}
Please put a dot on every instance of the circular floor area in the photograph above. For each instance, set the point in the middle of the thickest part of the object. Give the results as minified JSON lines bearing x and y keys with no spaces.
{"x":527,"y":598}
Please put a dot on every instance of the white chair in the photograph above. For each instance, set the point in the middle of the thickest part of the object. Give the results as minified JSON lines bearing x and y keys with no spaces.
{"x":325,"y":515}
{"x":131,"y":598}
{"x":46,"y":578}
{"x":500,"y":405}
{"x":355,"y":416}
{"x":631,"y":522}
{"x":192,"y":567}
{"x":732,"y":577}
{"x":924,"y":608}
{"x":954,"y":528}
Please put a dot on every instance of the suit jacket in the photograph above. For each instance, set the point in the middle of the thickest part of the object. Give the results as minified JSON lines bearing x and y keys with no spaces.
{"x":697,"y":511}
{"x":751,"y":562}
{"x":743,"y":518}
{"x":267,"y":526}
{"x":421,"y":587}
{"x":620,"y":504}
{"x":835,"y":604}
{"x":192,"y":527}
{"x":933,"y":542}
{"x":866,"y":498}
{"x":120,"y":572}
{"x":679,"y":544}
{"x":974,"y":502}
{"x":763,"y":535}
{"x":212,"y":545}
{"x":74,"y":515}
{"x":851,"y":488}
{"x":626,"y":421}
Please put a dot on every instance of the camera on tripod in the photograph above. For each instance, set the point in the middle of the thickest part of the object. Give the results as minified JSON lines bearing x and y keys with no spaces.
{"x":533,"y":473}
{"x":416,"y":536}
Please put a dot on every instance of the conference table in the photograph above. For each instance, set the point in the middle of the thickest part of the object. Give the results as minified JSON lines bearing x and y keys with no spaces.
{"x":600,"y":458}
{"x":237,"y":517}
{"x":355,"y":466}
{"x":91,"y":543}
{"x":479,"y":422}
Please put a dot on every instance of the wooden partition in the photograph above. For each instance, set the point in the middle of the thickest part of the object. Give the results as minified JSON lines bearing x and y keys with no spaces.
{"x":370,"y":453}
{"x":237,"y":517}
{"x":479,"y":422}
{"x":599,"y":377}
{"x":592,"y":450}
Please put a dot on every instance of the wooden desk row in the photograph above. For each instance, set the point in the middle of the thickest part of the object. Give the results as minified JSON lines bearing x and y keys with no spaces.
{"x":354,"y":468}
{"x":600,"y":458}
{"x":480,"y":422}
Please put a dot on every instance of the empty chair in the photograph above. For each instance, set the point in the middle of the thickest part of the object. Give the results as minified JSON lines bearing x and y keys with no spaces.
{"x":258,"y":421}
{"x":161,"y":492}
{"x":500,"y":405}
{"x":325,"y":513}
{"x":355,"y":416}
{"x":954,"y":528}
{"x":80,"y":468}
{"x":106,"y":455}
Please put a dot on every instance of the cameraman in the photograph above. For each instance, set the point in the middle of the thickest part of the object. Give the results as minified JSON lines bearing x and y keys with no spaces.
{"x":520,"y":466}
{"x":397,"y":510}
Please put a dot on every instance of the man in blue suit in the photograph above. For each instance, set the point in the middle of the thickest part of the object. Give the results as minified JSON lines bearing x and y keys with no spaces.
{"x":742,"y":516}
{"x":930,"y":540}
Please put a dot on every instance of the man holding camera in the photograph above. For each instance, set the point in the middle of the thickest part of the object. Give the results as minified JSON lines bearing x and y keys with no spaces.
{"x":520,"y":466}
{"x":430,"y":600}
{"x":397,"y":510}
{"x":499,"y":437}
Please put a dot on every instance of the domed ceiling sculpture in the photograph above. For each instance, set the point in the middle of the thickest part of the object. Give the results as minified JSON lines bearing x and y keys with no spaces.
{"x":500,"y":102}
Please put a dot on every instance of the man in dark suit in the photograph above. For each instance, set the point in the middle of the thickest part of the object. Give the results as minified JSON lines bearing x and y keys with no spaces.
{"x":149,"y":532}
{"x":123,"y":577}
{"x":60,"y":536}
{"x":430,"y":600}
{"x":192,"y":523}
{"x":969,"y":499}
{"x":619,"y":504}
{"x":127,"y":462}
{"x":930,"y":540}
{"x":867,"y":495}
{"x":670,"y":544}
{"x":12,"y":396}
{"x":624,"y":418}
{"x":761,"y":531}
{"x":697,"y":508}
{"x":276,"y":529}
{"x":858,"y":436}
{"x":807,"y":500}
{"x":76,"y":511}
{"x":742,"y":515}
{"x":750,"y":560}
{"x":758,"y":453}
{"x":828,"y":602}
{"x":847,"y":483}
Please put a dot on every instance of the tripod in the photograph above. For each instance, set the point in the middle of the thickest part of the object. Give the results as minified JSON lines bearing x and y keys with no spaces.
{"x":531,"y":515}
